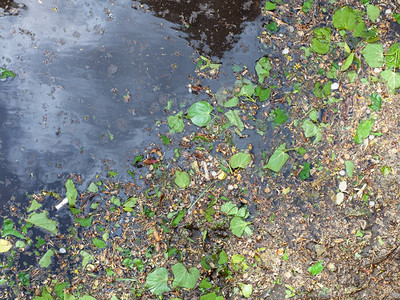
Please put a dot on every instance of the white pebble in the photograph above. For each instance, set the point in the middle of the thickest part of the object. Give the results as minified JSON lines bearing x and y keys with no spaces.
{"x":371,"y":203}
{"x":377,"y":70}
{"x":334,"y":86}
{"x":343,"y":186}
{"x":214,"y":174}
{"x":342,"y":173}
{"x":371,"y":136}
{"x":388,"y":12}
{"x":285,"y":51}
{"x":62,"y":250}
{"x":230,"y":187}
{"x":339,"y":198}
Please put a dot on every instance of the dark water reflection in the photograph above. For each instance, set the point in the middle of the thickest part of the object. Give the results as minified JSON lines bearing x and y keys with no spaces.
{"x":212,"y":26}
{"x":76,"y":60}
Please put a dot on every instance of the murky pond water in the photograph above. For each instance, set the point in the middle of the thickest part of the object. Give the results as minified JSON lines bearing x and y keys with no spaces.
{"x":94,"y":77}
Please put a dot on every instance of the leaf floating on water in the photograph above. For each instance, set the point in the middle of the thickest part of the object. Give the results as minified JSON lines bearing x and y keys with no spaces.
{"x":72,"y":193}
{"x":199,"y":113}
{"x":183,"y":278}
{"x":278,"y":159}
{"x":240,"y":160}
{"x":41,"y":220}
{"x":182,"y":179}
{"x":45,"y":261}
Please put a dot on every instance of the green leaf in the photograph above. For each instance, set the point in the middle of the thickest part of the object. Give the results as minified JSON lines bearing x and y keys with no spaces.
{"x":93,"y":188}
{"x":87,"y":297}
{"x":176,"y":123}
{"x":373,"y":55}
{"x":8,"y":229}
{"x":240,"y":160}
{"x":270,"y":6}
{"x":42,"y":221}
{"x":183,"y":278}
{"x":386,"y":170}
{"x":116,"y":201}
{"x":99,"y":243}
{"x":86,"y":258}
{"x":273,"y":27}
{"x":322,"y":91}
{"x":376,"y":102}
{"x":393,"y":56}
{"x":6,"y":73}
{"x":319,"y":47}
{"x":262,"y":94}
{"x":231,"y":102}
{"x":349,"y":168}
{"x":279,"y":116}
{"x":363,"y":130}
{"x":211,"y":296}
{"x":247,"y":289}
{"x":278,"y":159}
{"x":316,"y":268}
{"x":371,"y":35}
{"x":348,"y":62}
{"x":45,"y":261}
{"x":199,"y":113}
{"x":373,"y":12}
{"x":234,"y":119}
{"x":392,"y":80}
{"x":178,"y":218}
{"x":72,"y":193}
{"x":84,"y":222}
{"x":129,"y":204}
{"x":165,"y":140}
{"x":223,"y":258}
{"x":307,"y":5}
{"x":321,"y":42}
{"x":205,"y":284}
{"x":311,"y":129}
{"x":157,"y":281}
{"x":34,"y":206}
{"x":247,"y":90}
{"x":182,"y":179}
{"x":238,"y":225}
{"x":263,"y":66}
{"x":229,"y":208}
{"x":346,"y":18}
{"x":59,"y":289}
{"x":305,"y":172}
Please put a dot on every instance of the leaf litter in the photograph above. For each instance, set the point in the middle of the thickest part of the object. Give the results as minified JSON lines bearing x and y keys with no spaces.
{"x":174,"y":229}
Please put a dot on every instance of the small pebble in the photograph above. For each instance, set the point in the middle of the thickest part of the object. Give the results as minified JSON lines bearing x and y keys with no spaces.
{"x":285,"y":51}
{"x":230,"y":187}
{"x":371,"y":136}
{"x":371,"y":203}
{"x":62,"y":250}
{"x":377,"y":70}
{"x":214,"y":174}
{"x":388,"y":12}
{"x":343,"y":186}
{"x":342,"y":173}
{"x":334,"y":86}
{"x":339,"y":198}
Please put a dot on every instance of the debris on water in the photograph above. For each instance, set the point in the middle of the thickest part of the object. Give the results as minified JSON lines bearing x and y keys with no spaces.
{"x":62,"y":203}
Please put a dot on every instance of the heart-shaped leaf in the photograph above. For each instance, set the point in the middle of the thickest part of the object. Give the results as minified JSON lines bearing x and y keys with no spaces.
{"x":157,"y":281}
{"x":176,"y":123}
{"x":183,"y":278}
{"x":392,"y":80}
{"x":278,"y":159}
{"x":199,"y":113}
{"x":240,"y":160}
{"x":373,"y":55}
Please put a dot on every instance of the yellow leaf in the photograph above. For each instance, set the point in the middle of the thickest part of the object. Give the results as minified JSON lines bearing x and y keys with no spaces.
{"x":222,"y":175}
{"x":4,"y":245}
